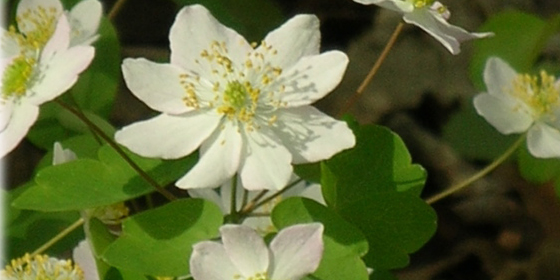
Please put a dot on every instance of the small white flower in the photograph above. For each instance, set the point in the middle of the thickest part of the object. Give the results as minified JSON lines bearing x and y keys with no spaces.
{"x":294,"y":253}
{"x":41,"y":59}
{"x":41,"y":267}
{"x":432,"y":17}
{"x":516,"y":103}
{"x":261,"y":219}
{"x":246,"y":107}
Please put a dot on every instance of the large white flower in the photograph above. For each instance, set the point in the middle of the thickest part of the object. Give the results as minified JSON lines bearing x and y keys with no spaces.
{"x":516,"y":103}
{"x":432,"y":17}
{"x":41,"y":59}
{"x":294,"y":253}
{"x":246,"y":107}
{"x":260,"y":220}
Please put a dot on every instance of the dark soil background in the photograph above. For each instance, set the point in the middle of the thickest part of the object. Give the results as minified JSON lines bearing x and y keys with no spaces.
{"x":499,"y":228}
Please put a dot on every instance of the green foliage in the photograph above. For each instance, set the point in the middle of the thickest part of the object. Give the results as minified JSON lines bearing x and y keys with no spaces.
{"x":375,"y":187}
{"x":473,"y":137}
{"x":88,"y":183}
{"x":28,"y":230}
{"x":519,"y":39}
{"x":159,"y":241}
{"x":251,"y":18}
{"x":537,"y":170}
{"x":344,"y":243}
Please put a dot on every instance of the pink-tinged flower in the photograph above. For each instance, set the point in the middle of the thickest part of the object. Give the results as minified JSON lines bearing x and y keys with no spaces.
{"x":41,"y":59}
{"x":432,"y":17}
{"x":518,"y":103}
{"x":294,"y":253}
{"x":245,"y":106}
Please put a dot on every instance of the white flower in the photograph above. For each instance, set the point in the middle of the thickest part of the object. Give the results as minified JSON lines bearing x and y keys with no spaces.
{"x":41,"y":59}
{"x":83,"y":257}
{"x":432,"y":17}
{"x":261,"y":219}
{"x":246,"y":107}
{"x":294,"y":253}
{"x":516,"y":103}
{"x":41,"y":267}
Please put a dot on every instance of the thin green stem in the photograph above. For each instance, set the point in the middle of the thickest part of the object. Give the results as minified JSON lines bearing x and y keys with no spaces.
{"x":249,"y":206}
{"x":373,"y":70}
{"x":253,"y":206}
{"x":58,"y":237}
{"x":115,"y":9}
{"x":478,"y":175}
{"x":118,"y":149}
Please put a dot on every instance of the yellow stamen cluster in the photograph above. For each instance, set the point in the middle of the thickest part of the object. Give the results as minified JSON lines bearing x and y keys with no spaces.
{"x":41,"y":267}
{"x":258,"y":276}
{"x":36,"y":28}
{"x":540,"y":95}
{"x":422,"y":3}
{"x":239,"y":91}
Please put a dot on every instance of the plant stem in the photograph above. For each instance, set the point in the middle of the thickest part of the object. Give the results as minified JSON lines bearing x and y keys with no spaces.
{"x":252,"y":206}
{"x":58,"y":237}
{"x":118,"y":149}
{"x":478,"y":175}
{"x":115,"y":9}
{"x":373,"y":70}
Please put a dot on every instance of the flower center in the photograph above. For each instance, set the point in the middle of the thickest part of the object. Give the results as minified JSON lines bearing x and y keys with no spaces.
{"x":257,"y":276}
{"x":36,"y":28}
{"x":41,"y":267}
{"x":246,"y":92}
{"x":540,"y":95}
{"x":422,"y":3}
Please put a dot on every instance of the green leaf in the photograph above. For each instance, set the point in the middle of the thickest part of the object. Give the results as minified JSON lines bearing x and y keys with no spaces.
{"x":473,"y":137}
{"x":28,"y":230}
{"x":537,"y":170}
{"x":159,"y":241}
{"x":375,"y":187}
{"x":96,"y":88}
{"x":519,"y":39}
{"x":344,"y":243}
{"x":382,"y":275}
{"x":252,"y":18}
{"x":310,"y":172}
{"x":87,"y":183}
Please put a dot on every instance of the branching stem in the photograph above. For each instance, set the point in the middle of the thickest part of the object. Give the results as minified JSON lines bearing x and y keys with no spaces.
{"x":58,"y":237}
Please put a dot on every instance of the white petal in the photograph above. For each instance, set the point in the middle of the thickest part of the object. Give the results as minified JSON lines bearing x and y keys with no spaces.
{"x":312,"y":77}
{"x":84,"y":19}
{"x":209,"y":194}
{"x":298,"y":37}
{"x":266,"y":162}
{"x":21,"y":118}
{"x":506,"y":114}
{"x":168,"y":137}
{"x":209,"y":261}
{"x":60,"y":73}
{"x":434,"y":24}
{"x":194,"y":30}
{"x":33,"y":5}
{"x":543,"y":141}
{"x":498,"y":76}
{"x":59,"y":40}
{"x":395,"y":5}
{"x":219,"y":159}
{"x":83,"y":256}
{"x":157,"y":85}
{"x":61,"y":155}
{"x":246,"y":249}
{"x":297,"y":251}
{"x":311,"y":135}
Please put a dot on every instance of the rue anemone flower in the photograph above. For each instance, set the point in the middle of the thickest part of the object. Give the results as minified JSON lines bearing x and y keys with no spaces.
{"x":431,"y":16}
{"x":295,"y":252}
{"x":42,"y":57}
{"x":245,"y":106}
{"x":519,"y":103}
